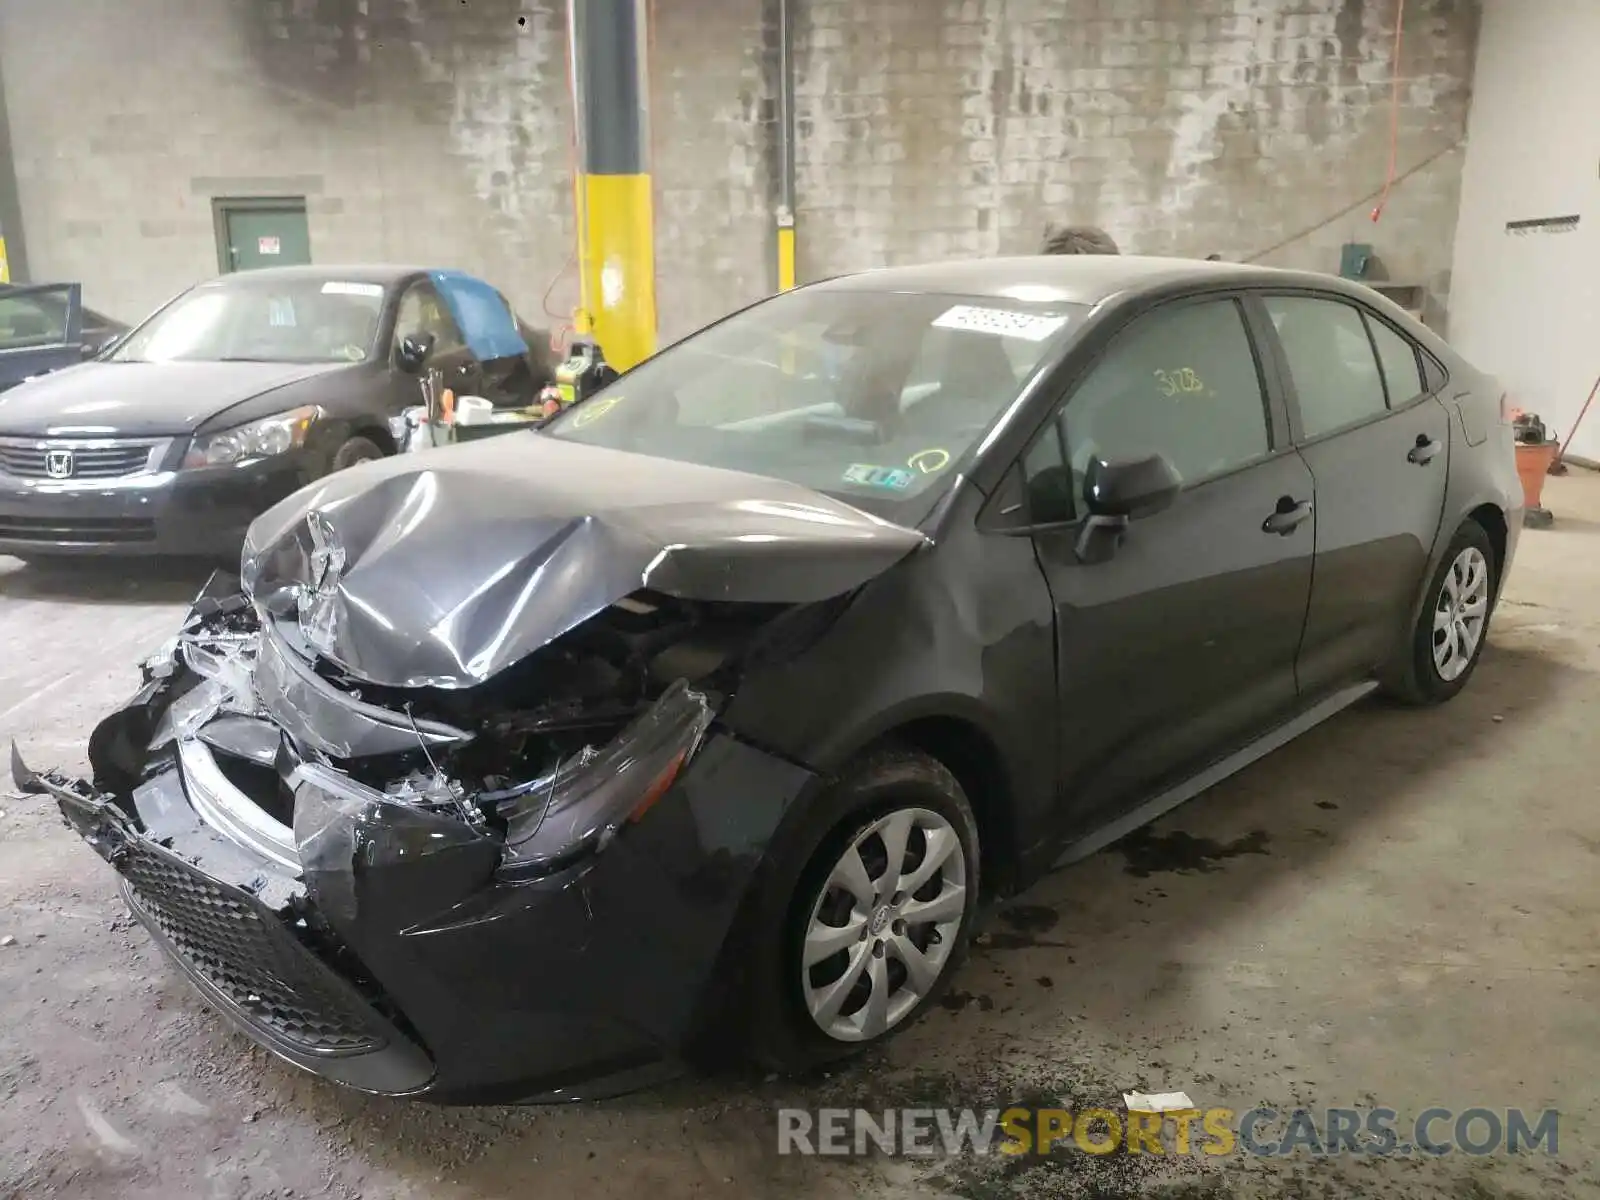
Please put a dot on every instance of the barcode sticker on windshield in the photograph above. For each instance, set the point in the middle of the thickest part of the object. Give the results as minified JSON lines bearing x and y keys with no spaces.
{"x":1002,"y":322}
{"x":335,"y":288}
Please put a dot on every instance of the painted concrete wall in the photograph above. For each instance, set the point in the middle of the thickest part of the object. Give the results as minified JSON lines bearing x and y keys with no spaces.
{"x":1528,"y":307}
{"x":438,"y":130}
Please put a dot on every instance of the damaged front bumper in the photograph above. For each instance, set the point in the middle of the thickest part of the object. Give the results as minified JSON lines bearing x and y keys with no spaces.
{"x":393,"y":938}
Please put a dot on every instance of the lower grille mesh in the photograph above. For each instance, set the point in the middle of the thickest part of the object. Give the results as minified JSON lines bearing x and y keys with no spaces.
{"x":249,"y":957}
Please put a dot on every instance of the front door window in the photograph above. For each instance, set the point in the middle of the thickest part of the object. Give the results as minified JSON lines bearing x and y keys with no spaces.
{"x":422,"y":311}
{"x":1182,"y":382}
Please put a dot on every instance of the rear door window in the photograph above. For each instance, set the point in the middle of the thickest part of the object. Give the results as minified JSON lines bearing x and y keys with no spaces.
{"x":1398,"y":357}
{"x":1331,"y":361}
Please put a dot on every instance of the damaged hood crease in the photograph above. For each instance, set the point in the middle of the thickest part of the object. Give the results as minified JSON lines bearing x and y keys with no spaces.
{"x":441,"y":570}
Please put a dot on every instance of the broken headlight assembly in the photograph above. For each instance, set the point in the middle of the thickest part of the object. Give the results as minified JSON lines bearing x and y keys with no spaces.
{"x":543,"y":823}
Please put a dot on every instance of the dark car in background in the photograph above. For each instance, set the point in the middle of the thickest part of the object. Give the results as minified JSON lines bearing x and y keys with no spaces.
{"x":44,"y":327}
{"x":699,"y":720}
{"x":236,"y":393}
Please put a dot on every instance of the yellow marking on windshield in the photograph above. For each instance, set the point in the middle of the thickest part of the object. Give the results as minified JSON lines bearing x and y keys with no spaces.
{"x":929,"y":462}
{"x":594,"y":410}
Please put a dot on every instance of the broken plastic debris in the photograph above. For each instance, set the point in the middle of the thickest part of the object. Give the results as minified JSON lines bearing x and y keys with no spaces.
{"x":1158,"y":1102}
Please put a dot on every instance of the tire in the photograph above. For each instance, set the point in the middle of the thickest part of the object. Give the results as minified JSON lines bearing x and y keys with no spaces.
{"x":1421,"y":676}
{"x":355,"y":450}
{"x":882,"y":792}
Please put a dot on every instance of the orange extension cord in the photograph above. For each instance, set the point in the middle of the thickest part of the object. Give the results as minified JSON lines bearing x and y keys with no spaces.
{"x":1394,"y":111}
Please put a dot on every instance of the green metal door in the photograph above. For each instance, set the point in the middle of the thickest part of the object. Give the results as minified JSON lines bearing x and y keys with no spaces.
{"x":258,"y":235}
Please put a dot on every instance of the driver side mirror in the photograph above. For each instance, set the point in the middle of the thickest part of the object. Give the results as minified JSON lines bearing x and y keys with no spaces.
{"x":1115,"y":493}
{"x":413,"y":352}
{"x":1130,"y":488}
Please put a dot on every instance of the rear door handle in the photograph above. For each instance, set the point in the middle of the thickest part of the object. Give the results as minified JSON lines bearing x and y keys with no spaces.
{"x":1425,"y":449}
{"x":1290,"y":516}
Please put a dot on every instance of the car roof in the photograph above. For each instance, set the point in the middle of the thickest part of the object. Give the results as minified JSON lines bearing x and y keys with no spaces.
{"x":382,"y":273}
{"x":1074,"y":278}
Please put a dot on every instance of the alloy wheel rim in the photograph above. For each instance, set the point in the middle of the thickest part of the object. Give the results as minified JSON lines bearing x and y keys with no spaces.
{"x":1460,"y":613}
{"x":884,"y":924}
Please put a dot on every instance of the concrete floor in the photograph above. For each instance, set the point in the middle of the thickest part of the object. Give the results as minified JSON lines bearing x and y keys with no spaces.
{"x":1398,"y":909}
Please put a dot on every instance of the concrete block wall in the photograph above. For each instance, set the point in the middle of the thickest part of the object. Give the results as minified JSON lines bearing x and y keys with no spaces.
{"x":438,"y":131}
{"x":961,"y":127}
{"x":427,"y":133}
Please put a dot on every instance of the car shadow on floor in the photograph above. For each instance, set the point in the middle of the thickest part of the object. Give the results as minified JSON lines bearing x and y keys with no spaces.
{"x":1091,"y":951}
{"x":104,"y":581}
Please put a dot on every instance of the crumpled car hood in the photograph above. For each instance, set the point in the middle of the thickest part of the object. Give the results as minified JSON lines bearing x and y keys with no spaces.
{"x":441,"y":569}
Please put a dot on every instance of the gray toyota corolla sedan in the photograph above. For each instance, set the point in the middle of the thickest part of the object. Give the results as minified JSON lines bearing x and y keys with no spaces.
{"x":701,"y":720}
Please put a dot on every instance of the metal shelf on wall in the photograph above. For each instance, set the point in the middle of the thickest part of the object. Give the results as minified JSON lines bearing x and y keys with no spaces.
{"x":1413,"y":297}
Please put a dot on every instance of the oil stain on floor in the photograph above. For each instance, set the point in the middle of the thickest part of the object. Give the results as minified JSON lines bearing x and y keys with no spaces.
{"x":1148,"y":853}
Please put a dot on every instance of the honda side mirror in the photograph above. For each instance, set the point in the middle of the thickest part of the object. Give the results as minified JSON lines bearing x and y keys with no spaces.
{"x":1115,"y":493}
{"x":413,"y":352}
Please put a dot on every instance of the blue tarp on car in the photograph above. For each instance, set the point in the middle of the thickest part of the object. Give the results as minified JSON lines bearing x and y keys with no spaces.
{"x":481,"y":313}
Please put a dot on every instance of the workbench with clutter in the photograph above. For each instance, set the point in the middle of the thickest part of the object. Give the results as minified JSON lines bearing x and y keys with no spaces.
{"x":444,"y":418}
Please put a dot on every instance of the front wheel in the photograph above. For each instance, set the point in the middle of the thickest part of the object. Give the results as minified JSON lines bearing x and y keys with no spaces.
{"x":1454,"y":623}
{"x":873,"y":905}
{"x":355,"y":450}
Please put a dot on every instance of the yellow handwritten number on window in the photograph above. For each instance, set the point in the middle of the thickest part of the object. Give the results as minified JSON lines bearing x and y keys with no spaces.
{"x":1182,"y":381}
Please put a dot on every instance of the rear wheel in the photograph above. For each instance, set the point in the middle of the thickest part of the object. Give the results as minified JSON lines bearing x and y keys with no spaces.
{"x":873,"y":903}
{"x":1454,"y":623}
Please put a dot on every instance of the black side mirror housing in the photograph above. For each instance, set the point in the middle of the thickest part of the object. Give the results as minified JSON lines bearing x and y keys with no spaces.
{"x":1130,"y":488}
{"x":413,"y":352}
{"x":1116,"y":493}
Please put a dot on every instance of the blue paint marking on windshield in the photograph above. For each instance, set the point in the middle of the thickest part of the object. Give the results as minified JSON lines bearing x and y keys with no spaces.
{"x":867,"y":475}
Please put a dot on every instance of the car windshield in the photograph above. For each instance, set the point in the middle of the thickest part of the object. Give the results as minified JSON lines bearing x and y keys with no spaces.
{"x":870,"y":396}
{"x":239,"y":319}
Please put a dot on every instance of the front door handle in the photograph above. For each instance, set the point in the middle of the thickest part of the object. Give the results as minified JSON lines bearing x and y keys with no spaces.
{"x":1425,"y":449}
{"x":1290,"y":515}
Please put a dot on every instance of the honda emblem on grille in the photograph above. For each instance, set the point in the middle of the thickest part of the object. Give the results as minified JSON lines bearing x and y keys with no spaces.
{"x":59,"y":464}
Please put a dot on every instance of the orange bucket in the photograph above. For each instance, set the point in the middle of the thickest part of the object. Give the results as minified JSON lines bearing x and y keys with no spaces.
{"x":1533,"y":464}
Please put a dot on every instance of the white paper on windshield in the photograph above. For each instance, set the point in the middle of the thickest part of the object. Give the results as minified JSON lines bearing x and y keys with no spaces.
{"x":335,"y":288}
{"x":1003,"y":322}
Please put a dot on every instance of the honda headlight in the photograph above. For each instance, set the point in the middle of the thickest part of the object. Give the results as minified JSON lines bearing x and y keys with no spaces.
{"x":265,"y":438}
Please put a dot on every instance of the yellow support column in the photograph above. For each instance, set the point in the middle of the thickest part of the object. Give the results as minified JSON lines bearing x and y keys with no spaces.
{"x":785,"y":251}
{"x":786,"y":136}
{"x":616,"y":225}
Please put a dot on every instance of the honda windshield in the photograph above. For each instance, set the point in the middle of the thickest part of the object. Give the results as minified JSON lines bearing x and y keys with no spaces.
{"x":240,"y":319}
{"x":872,"y":396}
